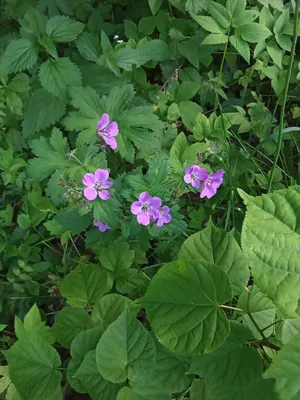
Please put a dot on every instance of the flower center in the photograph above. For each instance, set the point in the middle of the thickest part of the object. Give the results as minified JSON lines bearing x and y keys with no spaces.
{"x":146,"y":207}
{"x":208,"y":181}
{"x":105,"y":133}
{"x":98,"y":185}
{"x":195,"y":177}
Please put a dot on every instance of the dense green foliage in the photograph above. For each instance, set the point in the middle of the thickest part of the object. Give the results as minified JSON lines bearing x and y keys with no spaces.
{"x":197,"y":298}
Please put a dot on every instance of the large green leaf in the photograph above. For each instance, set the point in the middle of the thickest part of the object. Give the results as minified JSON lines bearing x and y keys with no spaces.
{"x":85,"y":285}
{"x":20,"y":55}
{"x":57,"y":75}
{"x":125,"y":350}
{"x":254,"y":32}
{"x":220,"y":248}
{"x":183,"y":306}
{"x":117,"y":257}
{"x":63,"y":29}
{"x":286,"y":370}
{"x":96,"y":386}
{"x":271,"y":241}
{"x":234,"y":371}
{"x":108,"y":309}
{"x":68,"y":323}
{"x":33,"y":367}
{"x":148,"y":391}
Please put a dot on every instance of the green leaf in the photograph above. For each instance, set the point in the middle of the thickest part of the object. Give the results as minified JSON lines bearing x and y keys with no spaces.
{"x":262,"y":310}
{"x":195,"y":6}
{"x":33,"y":24}
{"x":219,"y":13}
{"x":215,"y":38}
{"x":19,"y":55}
{"x":85,"y":285}
{"x":241,"y":46}
{"x":182,"y":305}
{"x":186,"y":91}
{"x":108,"y":309}
{"x":254,"y":32}
{"x":148,"y":391}
{"x":220,"y":248}
{"x":96,"y":386}
{"x":275,"y":53}
{"x":127,"y":57}
{"x":51,"y":155}
{"x":281,"y":22}
{"x":284,"y":42}
{"x":286,"y":370}
{"x":247,"y":17}
{"x":63,"y":29}
{"x":158,"y":171}
{"x":57,"y":75}
{"x":68,"y":323}
{"x":33,"y":367}
{"x":117,"y":257}
{"x":43,"y":110}
{"x":88,"y":46}
{"x":266,"y":18}
{"x":14,"y":103}
{"x":71,"y":220}
{"x":247,"y":366}
{"x":156,"y":50}
{"x":209,"y":24}
{"x":33,"y":324}
{"x":200,"y":390}
{"x":125,"y":350}
{"x":290,"y":328}
{"x":270,"y":240}
{"x":236,"y":8}
{"x":155,"y":5}
{"x":189,"y":50}
{"x":178,"y":147}
{"x":48,"y":45}
{"x":189,"y":110}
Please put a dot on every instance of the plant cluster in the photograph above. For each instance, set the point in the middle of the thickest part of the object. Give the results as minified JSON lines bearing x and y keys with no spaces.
{"x":150,"y":208}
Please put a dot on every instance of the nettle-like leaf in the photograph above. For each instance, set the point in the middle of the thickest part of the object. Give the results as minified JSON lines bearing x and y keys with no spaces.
{"x":57,"y":75}
{"x":33,"y":367}
{"x":85,"y":285}
{"x":285,"y":369}
{"x":183,"y":306}
{"x":270,"y":240}
{"x":20,"y":54}
{"x":63,"y":29}
{"x":125,"y":350}
{"x":43,"y":110}
{"x":218,"y":247}
{"x":88,"y":46}
{"x":68,"y":323}
{"x":246,"y":368}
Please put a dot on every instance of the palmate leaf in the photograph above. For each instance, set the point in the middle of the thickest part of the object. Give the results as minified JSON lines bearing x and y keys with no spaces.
{"x":117,"y":257}
{"x":234,"y":371}
{"x":270,"y":240}
{"x":220,"y":248}
{"x":182,"y":305}
{"x":125,"y":350}
{"x":19,"y":55}
{"x":96,"y":386}
{"x":58,"y":74}
{"x":43,"y":110}
{"x":146,"y":391}
{"x":286,"y":370}
{"x":85,"y":285}
{"x":33,"y":367}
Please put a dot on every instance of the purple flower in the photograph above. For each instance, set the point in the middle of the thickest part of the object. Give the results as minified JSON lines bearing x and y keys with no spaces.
{"x":102,"y":227}
{"x":146,"y":208}
{"x":96,"y":185}
{"x":211,"y":184}
{"x":164,"y":216}
{"x":108,"y":130}
{"x":194,"y":175}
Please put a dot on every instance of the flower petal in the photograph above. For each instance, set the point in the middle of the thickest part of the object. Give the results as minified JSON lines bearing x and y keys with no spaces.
{"x":104,"y":121}
{"x":154,"y":214}
{"x":90,"y":193}
{"x":144,"y":197}
{"x":101,"y":175}
{"x":188,"y":170}
{"x":217,"y":177}
{"x":195,"y":183}
{"x":113,"y":129}
{"x":103,"y":227}
{"x":88,"y":179}
{"x":200,"y":172}
{"x":104,"y":194}
{"x":97,"y":223}
{"x":187,"y":178}
{"x":136,"y":207}
{"x":208,"y":191}
{"x":107,"y":185}
{"x":159,"y":222}
{"x":155,"y":202}
{"x":165,"y":210}
{"x":111,"y":142}
{"x":143,"y":218}
{"x":166,"y":218}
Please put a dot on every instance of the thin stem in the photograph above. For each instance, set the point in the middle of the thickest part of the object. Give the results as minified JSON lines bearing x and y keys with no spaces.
{"x":273,"y":323}
{"x":181,"y":397}
{"x":252,"y":318}
{"x":221,"y":70}
{"x":284,"y":96}
{"x":232,"y":308}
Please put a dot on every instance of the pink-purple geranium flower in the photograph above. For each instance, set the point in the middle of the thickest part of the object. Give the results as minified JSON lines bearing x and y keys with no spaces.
{"x":96,"y":185}
{"x":211,"y":184}
{"x":164,"y":216}
{"x":108,"y":130}
{"x":102,"y":227}
{"x":146,"y":208}
{"x":194,"y":175}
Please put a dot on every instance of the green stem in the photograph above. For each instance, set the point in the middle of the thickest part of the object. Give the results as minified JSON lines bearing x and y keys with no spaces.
{"x":184,"y":393}
{"x":273,"y":323}
{"x":285,"y":94}
{"x":232,"y":308}
{"x":221,"y":70}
